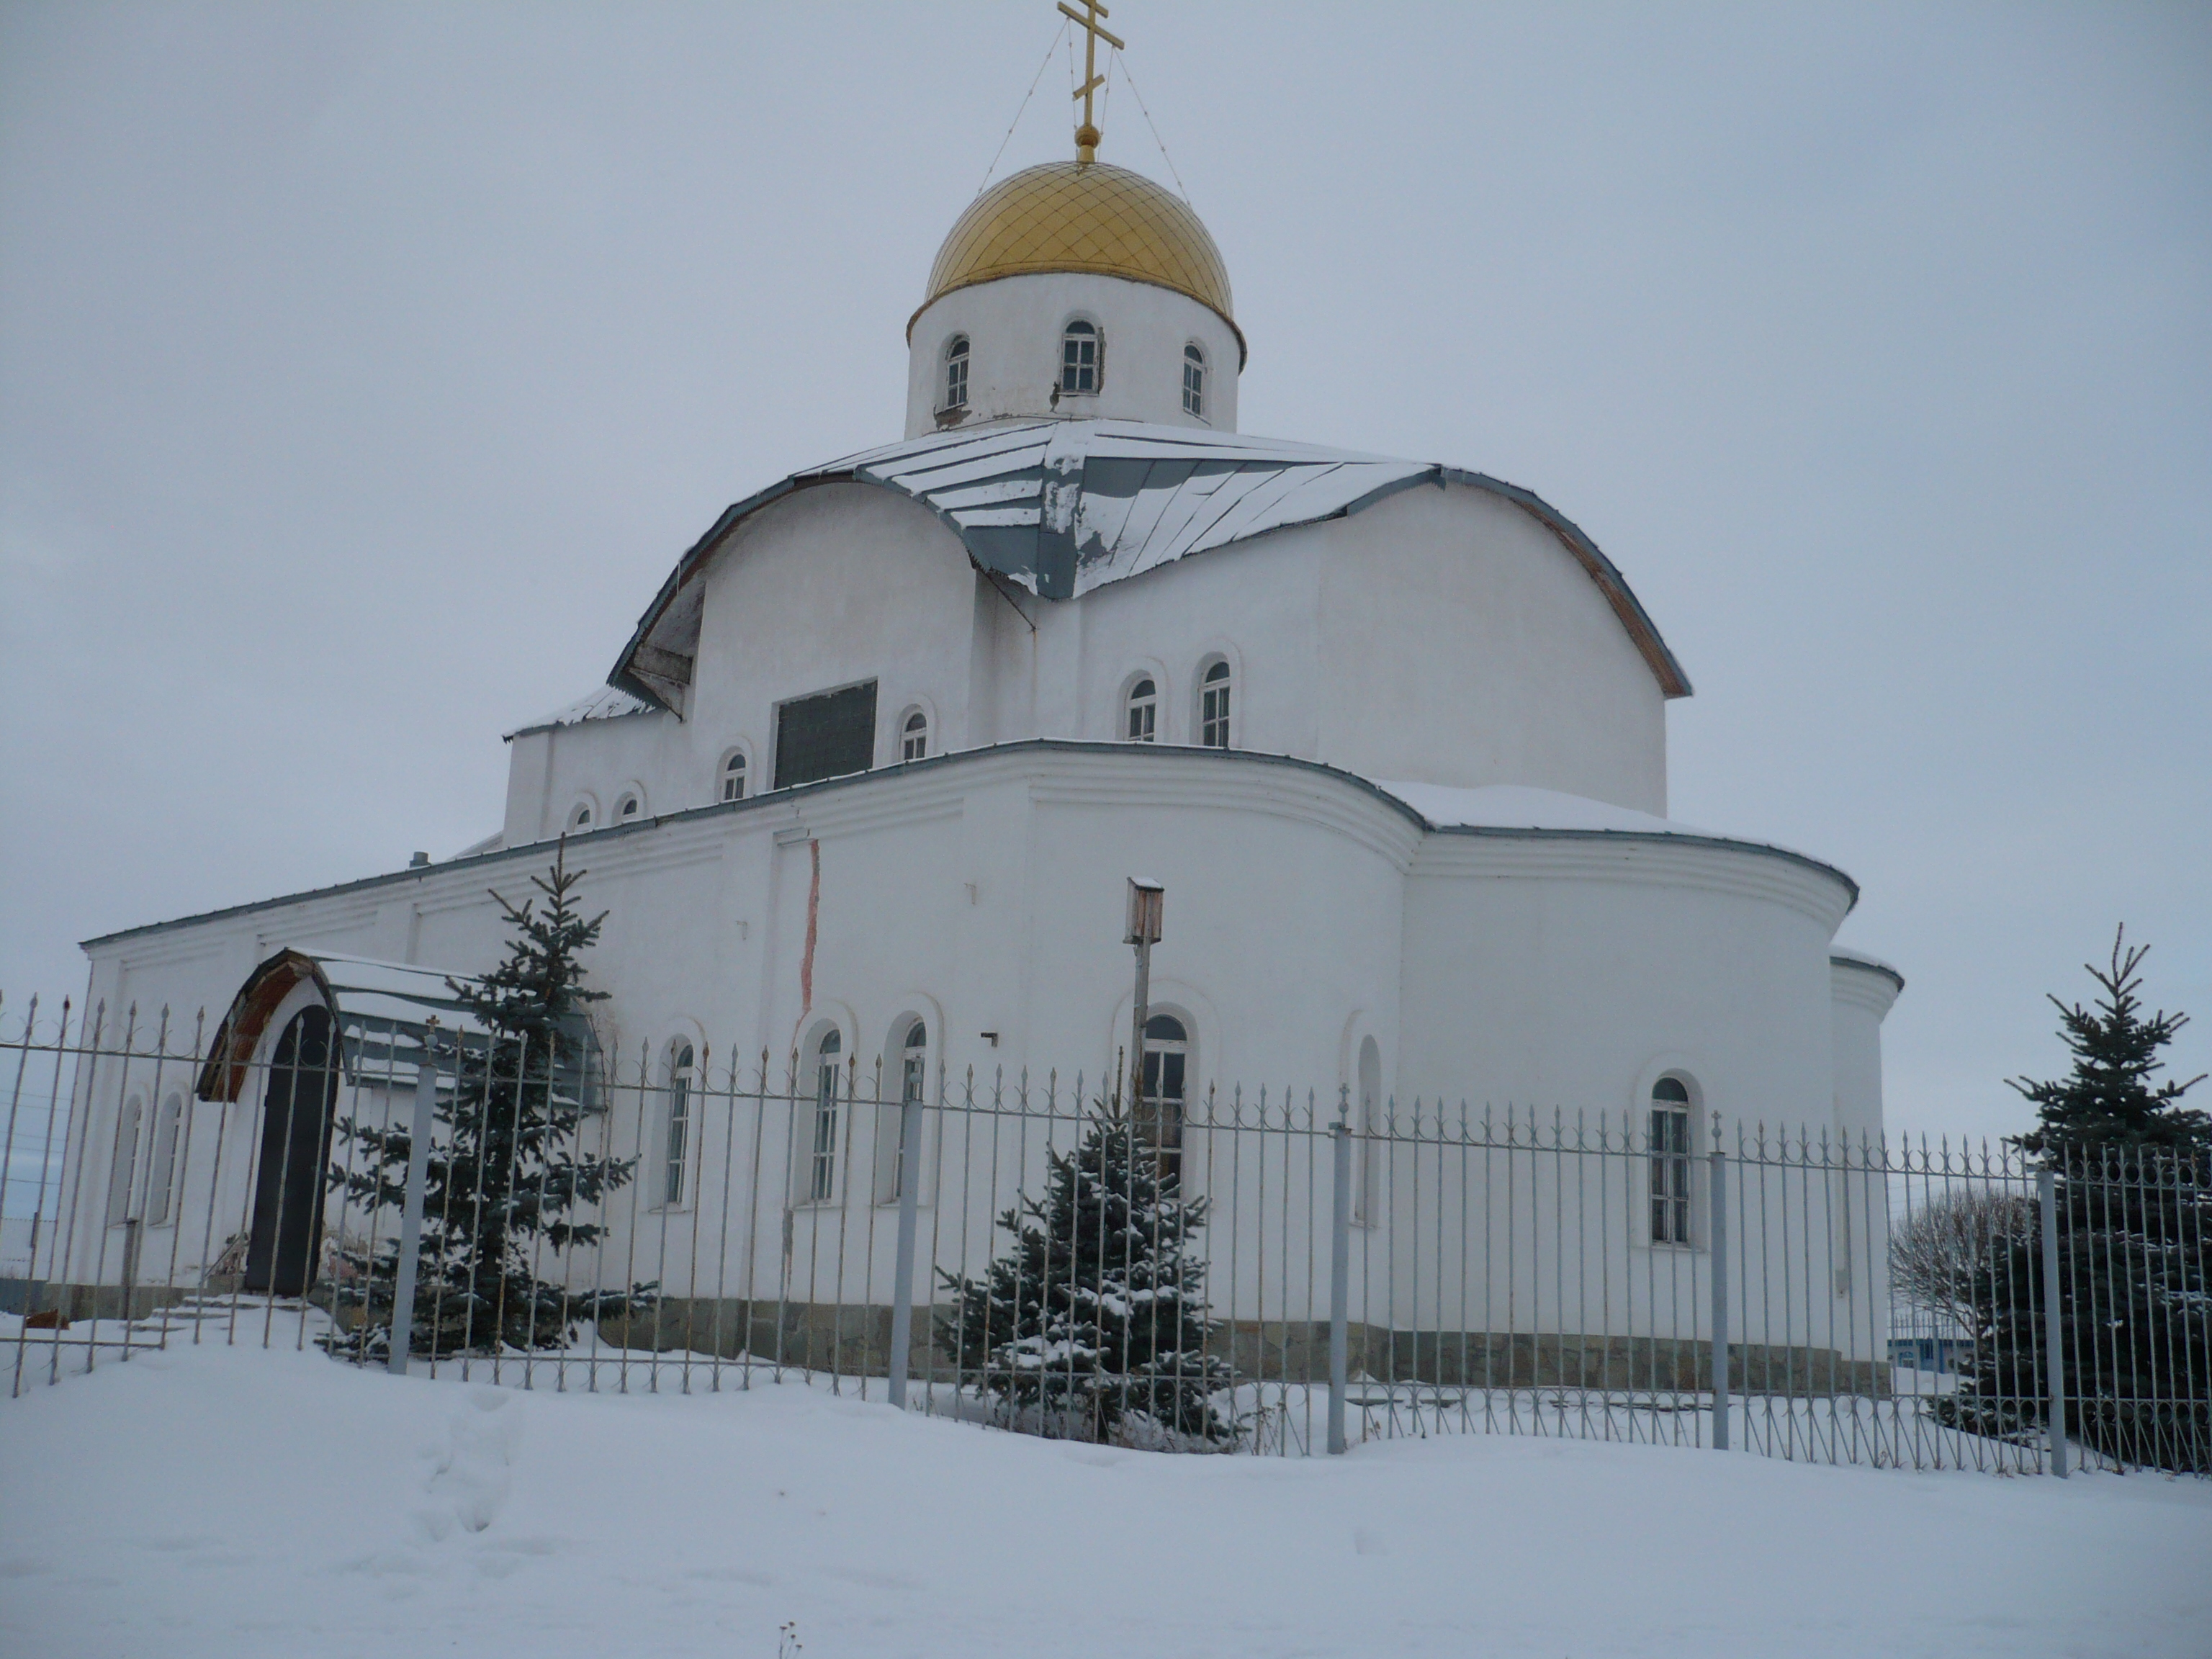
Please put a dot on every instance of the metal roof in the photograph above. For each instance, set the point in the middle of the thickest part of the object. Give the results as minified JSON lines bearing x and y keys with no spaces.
{"x":606,"y":703}
{"x":382,"y":1012}
{"x":1064,"y":507}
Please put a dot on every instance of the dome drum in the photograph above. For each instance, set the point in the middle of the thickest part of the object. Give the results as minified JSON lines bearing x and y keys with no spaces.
{"x":1002,"y":345}
{"x":1050,"y":252}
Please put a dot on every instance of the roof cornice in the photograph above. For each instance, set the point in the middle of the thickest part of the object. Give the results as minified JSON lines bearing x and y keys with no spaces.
{"x":617,"y":851}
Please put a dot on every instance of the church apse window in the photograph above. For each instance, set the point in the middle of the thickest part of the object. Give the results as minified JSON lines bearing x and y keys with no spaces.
{"x":1669,"y":1151}
{"x":955,"y":374}
{"x":580,"y":817}
{"x":1213,"y":707}
{"x":1193,"y":381}
{"x":829,"y":735}
{"x":914,"y":736}
{"x":1160,"y":1108}
{"x":683,"y":1068}
{"x":913,"y":1074}
{"x":734,"y":776}
{"x":629,"y":808}
{"x":1079,"y":359}
{"x":161,"y":1179}
{"x":821,"y":1160}
{"x":1142,"y":722}
{"x":125,"y":1170}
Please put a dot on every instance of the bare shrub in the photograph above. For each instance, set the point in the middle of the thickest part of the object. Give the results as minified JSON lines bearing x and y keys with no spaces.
{"x":1941,"y":1255}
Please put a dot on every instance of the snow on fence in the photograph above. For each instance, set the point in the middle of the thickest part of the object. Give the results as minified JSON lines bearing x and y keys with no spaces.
{"x":1266,"y":1270}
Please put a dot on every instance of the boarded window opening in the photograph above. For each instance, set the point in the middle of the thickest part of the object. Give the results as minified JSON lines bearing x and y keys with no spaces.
{"x":827,"y":736}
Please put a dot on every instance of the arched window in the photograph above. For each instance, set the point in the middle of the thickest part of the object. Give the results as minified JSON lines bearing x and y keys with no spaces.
{"x":629,"y":807}
{"x":1193,"y":381}
{"x":914,"y":736}
{"x":1670,"y":1161}
{"x":682,"y":1076}
{"x":579,"y":816}
{"x":822,"y":1161}
{"x":1213,"y":707}
{"x":1079,"y":359}
{"x":1159,"y":1111}
{"x":125,"y":1170}
{"x":955,"y":374}
{"x":1367,"y":1123}
{"x":1142,"y":721}
{"x":913,"y":1074}
{"x":161,"y":1184}
{"x":734,"y":776}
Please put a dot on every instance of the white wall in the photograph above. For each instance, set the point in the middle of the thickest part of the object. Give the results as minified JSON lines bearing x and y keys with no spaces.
{"x":1014,"y":328}
{"x":1861,"y":997}
{"x":984,"y":892}
{"x":1440,"y":637}
{"x":1460,"y":643}
{"x":1572,"y":972}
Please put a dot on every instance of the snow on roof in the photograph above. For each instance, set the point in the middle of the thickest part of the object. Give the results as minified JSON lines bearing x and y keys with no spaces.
{"x":607,"y":703}
{"x":1064,"y":507}
{"x":1845,"y":956}
{"x":1510,"y":807}
{"x":1518,"y":806}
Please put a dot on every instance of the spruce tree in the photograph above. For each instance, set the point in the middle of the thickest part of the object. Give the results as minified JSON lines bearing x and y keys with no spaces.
{"x":2107,"y":1101}
{"x":1095,"y":1319}
{"x":506,"y":1169}
{"x":2131,"y":1171}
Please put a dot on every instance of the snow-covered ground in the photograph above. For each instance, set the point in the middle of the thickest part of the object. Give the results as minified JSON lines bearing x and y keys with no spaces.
{"x":239,"y":1502}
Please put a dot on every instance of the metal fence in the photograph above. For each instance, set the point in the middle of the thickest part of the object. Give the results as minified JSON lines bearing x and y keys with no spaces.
{"x":1266,"y":1270}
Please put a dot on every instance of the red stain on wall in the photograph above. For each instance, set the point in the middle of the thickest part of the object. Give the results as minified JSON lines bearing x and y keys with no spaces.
{"x":813,"y":915}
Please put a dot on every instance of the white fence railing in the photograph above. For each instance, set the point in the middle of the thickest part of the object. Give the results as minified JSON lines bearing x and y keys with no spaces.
{"x":1267,"y":1270}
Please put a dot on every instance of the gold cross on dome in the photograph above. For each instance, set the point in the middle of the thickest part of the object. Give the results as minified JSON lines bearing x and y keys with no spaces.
{"x":1087,"y":134}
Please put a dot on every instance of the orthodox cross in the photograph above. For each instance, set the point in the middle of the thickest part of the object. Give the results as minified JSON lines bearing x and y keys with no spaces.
{"x":1086,"y":136}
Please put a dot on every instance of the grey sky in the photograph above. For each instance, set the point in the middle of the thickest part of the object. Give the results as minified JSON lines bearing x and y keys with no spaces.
{"x":362,"y":371}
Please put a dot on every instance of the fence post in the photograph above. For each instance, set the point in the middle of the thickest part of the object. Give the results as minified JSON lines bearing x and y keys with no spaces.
{"x":2054,"y":1325}
{"x":1340,"y":1282}
{"x":1718,"y":1278}
{"x":131,"y":1236}
{"x":909,"y":1197}
{"x":410,"y":1211}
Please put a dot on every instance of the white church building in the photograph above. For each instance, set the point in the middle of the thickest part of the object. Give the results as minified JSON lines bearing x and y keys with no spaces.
{"x":867,"y":781}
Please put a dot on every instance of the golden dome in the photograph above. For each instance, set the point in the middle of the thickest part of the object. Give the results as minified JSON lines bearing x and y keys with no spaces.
{"x":1072,"y":215}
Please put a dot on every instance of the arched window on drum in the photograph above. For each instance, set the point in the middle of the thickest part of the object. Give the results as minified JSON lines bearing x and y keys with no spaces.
{"x":1079,"y":360}
{"x":956,"y":375}
{"x":1193,"y":381}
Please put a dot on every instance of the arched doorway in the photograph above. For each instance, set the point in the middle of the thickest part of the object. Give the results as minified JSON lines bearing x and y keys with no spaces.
{"x":295,"y":1134}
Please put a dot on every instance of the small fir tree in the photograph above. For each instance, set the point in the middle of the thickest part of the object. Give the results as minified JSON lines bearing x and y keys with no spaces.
{"x":2132,"y":1189}
{"x":505,"y":1167}
{"x":1095,"y":1319}
{"x":2108,"y":1101}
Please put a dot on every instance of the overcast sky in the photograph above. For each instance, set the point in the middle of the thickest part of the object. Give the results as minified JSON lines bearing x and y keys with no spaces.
{"x":363,"y":370}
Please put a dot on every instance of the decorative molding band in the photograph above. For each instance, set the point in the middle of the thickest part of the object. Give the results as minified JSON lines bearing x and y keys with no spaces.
{"x":1874,"y":986}
{"x":1076,"y":772}
{"x":1740,"y":869}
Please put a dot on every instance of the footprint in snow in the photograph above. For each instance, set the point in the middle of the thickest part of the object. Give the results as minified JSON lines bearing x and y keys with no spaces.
{"x":473,"y":1472}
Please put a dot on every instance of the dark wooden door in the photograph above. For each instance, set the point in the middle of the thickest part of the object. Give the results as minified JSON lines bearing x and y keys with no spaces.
{"x":295,"y":1133}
